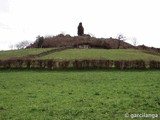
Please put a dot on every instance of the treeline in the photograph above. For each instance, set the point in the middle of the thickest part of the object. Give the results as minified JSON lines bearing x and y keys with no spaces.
{"x":56,"y":64}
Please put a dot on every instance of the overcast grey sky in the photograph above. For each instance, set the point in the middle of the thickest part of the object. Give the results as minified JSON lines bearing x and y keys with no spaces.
{"x":25,"y":19}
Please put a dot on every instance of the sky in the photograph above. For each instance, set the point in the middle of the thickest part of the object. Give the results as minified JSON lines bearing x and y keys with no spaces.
{"x":26,"y":19}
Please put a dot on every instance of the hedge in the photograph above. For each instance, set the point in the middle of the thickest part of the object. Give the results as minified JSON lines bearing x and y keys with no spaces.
{"x":55,"y":64}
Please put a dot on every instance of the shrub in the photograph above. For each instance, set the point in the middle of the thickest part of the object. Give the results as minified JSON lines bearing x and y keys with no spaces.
{"x":124,"y":64}
{"x":117,"y":64}
{"x":98,"y":43}
{"x":108,"y":64}
{"x":19,"y":63}
{"x":77,"y":64}
{"x":140,"y":64}
{"x":154,"y":64}
{"x":41,"y":63}
{"x":27,"y":63}
{"x":85,"y":63}
{"x":1,"y":63}
{"x":63,"y":64}
{"x":6,"y":64}
{"x":94,"y":63}
{"x":49,"y":64}
{"x":52,"y":64}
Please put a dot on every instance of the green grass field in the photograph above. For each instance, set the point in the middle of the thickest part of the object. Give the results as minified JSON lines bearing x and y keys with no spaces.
{"x":112,"y":54}
{"x":71,"y":54}
{"x":77,"y":94}
{"x":20,"y":53}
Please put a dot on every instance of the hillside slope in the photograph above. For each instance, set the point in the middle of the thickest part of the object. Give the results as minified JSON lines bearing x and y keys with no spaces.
{"x":10,"y":54}
{"x":75,"y":53}
{"x":110,"y":54}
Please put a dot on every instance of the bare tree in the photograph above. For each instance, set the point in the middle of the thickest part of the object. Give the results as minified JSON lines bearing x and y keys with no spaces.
{"x":22,"y":44}
{"x":120,"y":38}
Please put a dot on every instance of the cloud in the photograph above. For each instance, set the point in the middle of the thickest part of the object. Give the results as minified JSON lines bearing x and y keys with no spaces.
{"x":4,"y":5}
{"x":3,"y":26}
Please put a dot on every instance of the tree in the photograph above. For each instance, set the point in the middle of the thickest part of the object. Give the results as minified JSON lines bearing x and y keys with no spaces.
{"x":22,"y":44}
{"x":120,"y":38}
{"x":39,"y":41}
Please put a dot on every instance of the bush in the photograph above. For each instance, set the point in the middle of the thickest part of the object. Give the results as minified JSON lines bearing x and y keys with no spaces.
{"x":140,"y":64}
{"x":1,"y":63}
{"x":118,"y":64}
{"x":52,"y":64}
{"x":124,"y":64}
{"x":49,"y":64}
{"x":64,"y":64}
{"x":27,"y":63}
{"x":154,"y":64}
{"x":77,"y":64}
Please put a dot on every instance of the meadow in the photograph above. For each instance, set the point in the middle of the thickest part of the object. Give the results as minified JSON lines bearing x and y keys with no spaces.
{"x":92,"y":53}
{"x":20,"y":53}
{"x":110,"y":54}
{"x":78,"y":94}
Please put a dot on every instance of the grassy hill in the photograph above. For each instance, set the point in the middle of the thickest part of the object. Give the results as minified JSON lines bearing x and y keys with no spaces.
{"x":111,"y":54}
{"x":20,"y":53}
{"x":72,"y":54}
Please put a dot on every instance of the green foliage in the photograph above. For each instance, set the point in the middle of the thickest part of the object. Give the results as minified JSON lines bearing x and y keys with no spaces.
{"x":111,"y":54}
{"x":81,"y":94}
{"x":154,"y":64}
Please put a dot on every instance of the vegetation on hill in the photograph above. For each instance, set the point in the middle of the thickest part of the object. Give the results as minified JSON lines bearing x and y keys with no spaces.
{"x":67,"y":40}
{"x":10,"y":54}
{"x":60,"y":58}
{"x":110,"y":54}
{"x":107,"y":43}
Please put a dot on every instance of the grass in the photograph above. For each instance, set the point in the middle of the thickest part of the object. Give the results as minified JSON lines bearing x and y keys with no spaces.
{"x":71,"y":54}
{"x":20,"y":53}
{"x":77,"y":95}
{"x":112,"y":54}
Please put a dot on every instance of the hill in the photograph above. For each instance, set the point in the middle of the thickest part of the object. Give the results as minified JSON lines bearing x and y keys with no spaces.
{"x":11,"y":54}
{"x":67,"y":40}
{"x":110,"y":54}
{"x":86,"y":40}
{"x":76,"y":53}
{"x":81,"y":52}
